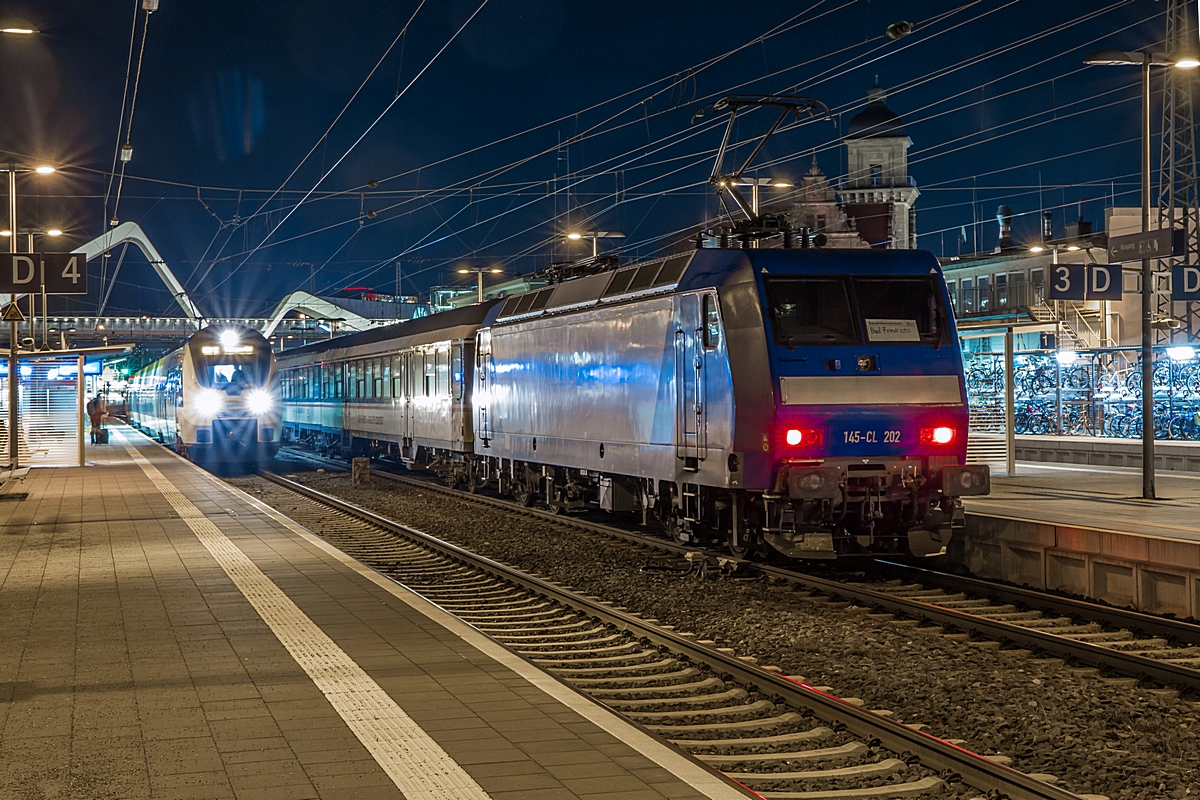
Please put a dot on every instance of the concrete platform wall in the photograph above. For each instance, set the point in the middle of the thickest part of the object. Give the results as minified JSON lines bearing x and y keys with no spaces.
{"x":1158,"y":576}
{"x":1099,"y":452}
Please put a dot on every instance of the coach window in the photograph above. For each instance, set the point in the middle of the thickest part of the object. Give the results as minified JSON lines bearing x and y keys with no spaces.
{"x":456,"y":370}
{"x":398,"y":376}
{"x":712,"y":322}
{"x":443,"y":373}
{"x":368,"y":379}
{"x":951,"y":290}
{"x":338,"y":379}
{"x":379,"y":382}
{"x":427,"y":371}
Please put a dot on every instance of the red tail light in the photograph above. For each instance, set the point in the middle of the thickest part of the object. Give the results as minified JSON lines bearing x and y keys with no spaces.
{"x":804,"y":437}
{"x":937,"y":435}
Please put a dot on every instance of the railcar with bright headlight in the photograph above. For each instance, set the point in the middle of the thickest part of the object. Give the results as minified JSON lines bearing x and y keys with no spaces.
{"x":215,"y":400}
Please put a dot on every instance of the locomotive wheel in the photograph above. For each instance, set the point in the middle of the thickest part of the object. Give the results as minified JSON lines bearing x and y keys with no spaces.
{"x":522,"y":493}
{"x":750,"y":547}
{"x":677,"y":530}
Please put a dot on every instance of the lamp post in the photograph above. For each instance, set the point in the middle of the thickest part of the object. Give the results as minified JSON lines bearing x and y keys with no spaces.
{"x":1113,"y":58}
{"x":479,"y":271}
{"x":595,"y":236}
{"x":13,"y":392}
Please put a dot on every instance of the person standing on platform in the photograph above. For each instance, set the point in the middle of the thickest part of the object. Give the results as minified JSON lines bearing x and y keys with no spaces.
{"x":95,"y":412}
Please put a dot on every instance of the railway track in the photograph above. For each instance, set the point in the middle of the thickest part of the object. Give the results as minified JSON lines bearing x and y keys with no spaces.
{"x":1128,"y":643}
{"x":774,"y":734}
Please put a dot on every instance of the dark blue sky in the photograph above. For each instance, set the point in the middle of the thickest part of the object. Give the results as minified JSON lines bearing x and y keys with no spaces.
{"x":234,"y":94}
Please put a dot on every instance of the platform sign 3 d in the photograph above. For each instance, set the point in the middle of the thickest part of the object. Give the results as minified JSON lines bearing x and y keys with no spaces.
{"x":1185,"y":282}
{"x":1067,"y":282}
{"x":1105,"y":282}
{"x":27,"y":273}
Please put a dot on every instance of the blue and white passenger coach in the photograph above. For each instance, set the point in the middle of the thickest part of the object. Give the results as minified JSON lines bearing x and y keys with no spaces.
{"x":215,"y":400}
{"x":806,"y":401}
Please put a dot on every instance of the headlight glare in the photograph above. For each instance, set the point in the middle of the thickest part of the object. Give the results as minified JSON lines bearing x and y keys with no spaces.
{"x":207,"y":402}
{"x":259,"y":401}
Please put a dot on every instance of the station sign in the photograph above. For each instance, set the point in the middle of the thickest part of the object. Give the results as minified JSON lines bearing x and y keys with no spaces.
{"x":1162,"y":243}
{"x":1067,"y":282}
{"x":1085,"y":282}
{"x":28,"y":273}
{"x":1185,"y":282}
{"x":1105,"y":282}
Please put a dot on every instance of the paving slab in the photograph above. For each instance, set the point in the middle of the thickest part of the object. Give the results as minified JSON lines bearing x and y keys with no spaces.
{"x":165,"y":635}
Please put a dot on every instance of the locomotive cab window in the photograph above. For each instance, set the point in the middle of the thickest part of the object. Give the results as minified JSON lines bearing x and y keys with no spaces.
{"x":806,"y":311}
{"x":712,"y":322}
{"x":899,"y":310}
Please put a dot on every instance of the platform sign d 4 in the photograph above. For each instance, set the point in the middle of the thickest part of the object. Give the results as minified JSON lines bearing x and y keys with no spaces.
{"x":27,"y":273}
{"x":1105,"y":282}
{"x":1185,"y":282}
{"x":1067,"y":282}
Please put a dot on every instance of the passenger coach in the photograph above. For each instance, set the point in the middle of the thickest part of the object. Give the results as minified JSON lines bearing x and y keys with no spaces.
{"x":402,"y":392}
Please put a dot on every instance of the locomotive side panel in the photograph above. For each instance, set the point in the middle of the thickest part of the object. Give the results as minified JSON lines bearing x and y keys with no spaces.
{"x":603,"y":390}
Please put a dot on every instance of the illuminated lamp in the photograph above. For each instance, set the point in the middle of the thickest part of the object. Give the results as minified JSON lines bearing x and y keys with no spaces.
{"x":939,"y":435}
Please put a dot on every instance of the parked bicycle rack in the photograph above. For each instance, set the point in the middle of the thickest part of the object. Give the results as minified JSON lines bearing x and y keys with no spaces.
{"x":1086,"y":392}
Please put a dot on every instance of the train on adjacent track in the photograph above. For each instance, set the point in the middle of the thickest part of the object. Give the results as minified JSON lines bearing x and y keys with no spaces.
{"x":214,"y":400}
{"x":804,"y":401}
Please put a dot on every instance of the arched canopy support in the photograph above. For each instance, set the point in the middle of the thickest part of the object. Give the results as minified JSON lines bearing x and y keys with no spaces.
{"x":317,"y":307}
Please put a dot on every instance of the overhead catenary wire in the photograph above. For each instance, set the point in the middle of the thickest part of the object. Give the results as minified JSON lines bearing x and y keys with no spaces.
{"x":362,"y":136}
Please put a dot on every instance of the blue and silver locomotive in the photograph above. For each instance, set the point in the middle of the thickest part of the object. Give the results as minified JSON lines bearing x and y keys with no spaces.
{"x":805,"y":401}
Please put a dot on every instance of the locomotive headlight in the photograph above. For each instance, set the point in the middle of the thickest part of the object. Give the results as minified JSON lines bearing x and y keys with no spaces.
{"x":228,"y":338}
{"x":259,"y":401}
{"x":207,"y":402}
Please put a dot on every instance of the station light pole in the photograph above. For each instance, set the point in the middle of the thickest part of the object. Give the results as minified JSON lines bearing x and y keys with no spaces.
{"x":480,"y":272}
{"x":595,"y":236}
{"x":13,"y":343}
{"x":1115,"y":58}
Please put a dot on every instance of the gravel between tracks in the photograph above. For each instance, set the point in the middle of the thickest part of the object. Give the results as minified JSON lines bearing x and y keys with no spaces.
{"x":1099,"y":736}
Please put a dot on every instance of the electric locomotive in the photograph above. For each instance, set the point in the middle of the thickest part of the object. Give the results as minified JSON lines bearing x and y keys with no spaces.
{"x":805,"y":401}
{"x":215,"y":400}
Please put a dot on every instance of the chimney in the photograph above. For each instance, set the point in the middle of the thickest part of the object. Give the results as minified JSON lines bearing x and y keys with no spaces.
{"x":1004,"y":216}
{"x":1080,"y":231}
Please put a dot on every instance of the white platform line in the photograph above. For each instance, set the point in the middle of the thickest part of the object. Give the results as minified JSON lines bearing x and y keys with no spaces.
{"x":701,"y":778}
{"x":416,"y":763}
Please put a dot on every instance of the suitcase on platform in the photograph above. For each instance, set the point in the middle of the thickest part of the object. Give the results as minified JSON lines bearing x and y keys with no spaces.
{"x":102,"y":436}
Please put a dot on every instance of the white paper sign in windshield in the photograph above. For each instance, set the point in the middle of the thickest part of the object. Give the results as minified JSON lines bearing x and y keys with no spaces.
{"x":892,"y":330}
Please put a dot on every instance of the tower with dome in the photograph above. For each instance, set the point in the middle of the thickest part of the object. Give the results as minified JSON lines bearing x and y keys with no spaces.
{"x":878,"y":194}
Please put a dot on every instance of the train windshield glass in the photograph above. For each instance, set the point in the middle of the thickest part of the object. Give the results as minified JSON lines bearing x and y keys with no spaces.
{"x":232,"y":374}
{"x":811,"y":311}
{"x":898,"y":309}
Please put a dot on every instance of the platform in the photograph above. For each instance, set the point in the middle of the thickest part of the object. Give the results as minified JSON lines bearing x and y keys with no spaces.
{"x":165,"y":635}
{"x":1086,"y":530}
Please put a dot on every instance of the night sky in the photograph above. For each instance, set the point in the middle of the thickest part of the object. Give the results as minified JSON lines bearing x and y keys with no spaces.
{"x":541,"y":116}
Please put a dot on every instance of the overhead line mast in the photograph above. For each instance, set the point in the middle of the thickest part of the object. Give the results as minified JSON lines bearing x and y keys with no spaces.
{"x":1178,"y":199}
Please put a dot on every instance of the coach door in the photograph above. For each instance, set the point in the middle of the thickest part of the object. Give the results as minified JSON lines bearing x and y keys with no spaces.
{"x":484,"y":376}
{"x":689,"y":383}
